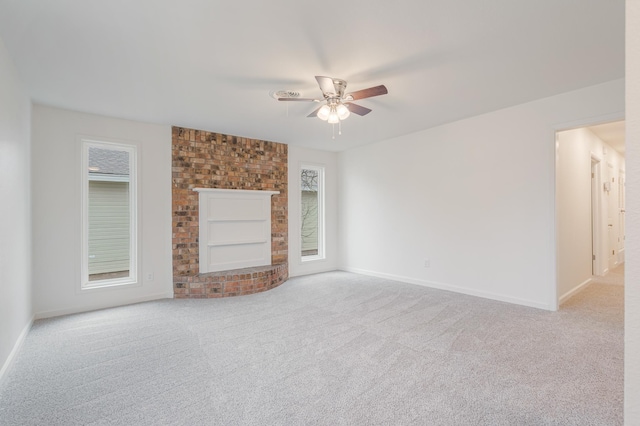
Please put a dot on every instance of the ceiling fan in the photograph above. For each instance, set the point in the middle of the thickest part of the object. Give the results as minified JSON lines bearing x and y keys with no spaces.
{"x":338,"y":104}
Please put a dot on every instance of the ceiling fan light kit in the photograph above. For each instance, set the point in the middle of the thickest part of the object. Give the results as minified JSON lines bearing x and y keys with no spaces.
{"x":333,"y":113}
{"x":338,"y":105}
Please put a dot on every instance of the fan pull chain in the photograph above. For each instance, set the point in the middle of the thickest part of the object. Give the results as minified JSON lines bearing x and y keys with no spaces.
{"x":333,"y":131}
{"x":340,"y":127}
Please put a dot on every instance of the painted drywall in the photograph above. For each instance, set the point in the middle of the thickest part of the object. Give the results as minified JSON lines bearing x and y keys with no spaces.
{"x":475,"y":199}
{"x":574,"y":152}
{"x":15,"y":211}
{"x":57,"y":210}
{"x":328,"y":160}
{"x":632,"y":261}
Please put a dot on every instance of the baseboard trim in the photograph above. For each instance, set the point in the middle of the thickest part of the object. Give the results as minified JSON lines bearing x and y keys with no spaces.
{"x":80,"y":309}
{"x":14,"y":352}
{"x":452,"y":288}
{"x":577,"y":289}
{"x":298,"y":273}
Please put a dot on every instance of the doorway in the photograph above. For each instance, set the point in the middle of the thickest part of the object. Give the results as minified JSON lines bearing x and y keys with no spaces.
{"x":589,"y":205}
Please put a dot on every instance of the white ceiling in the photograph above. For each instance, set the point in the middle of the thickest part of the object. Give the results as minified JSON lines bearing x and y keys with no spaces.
{"x":210,"y":64}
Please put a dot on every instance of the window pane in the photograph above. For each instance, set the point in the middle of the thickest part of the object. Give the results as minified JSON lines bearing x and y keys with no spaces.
{"x":108,"y":230}
{"x":109,"y":213}
{"x":309,"y":210}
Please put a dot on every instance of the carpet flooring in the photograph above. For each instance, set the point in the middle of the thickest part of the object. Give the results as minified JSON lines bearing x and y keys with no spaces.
{"x":328,"y":349}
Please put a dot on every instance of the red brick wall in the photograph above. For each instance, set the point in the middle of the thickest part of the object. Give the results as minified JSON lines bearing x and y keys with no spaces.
{"x":203,"y":159}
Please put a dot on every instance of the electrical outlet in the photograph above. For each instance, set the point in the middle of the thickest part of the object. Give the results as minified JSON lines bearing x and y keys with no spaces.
{"x":427,"y":263}
{"x":150,"y":276}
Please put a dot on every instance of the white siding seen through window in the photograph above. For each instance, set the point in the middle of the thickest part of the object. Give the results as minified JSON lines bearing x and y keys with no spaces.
{"x":109,"y":214}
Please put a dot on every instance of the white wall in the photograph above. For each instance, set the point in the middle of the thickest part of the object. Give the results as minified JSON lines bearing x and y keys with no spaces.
{"x":632,"y":261}
{"x":57,"y":210}
{"x":476,"y":197}
{"x":328,"y":160}
{"x":15,"y":211}
{"x":575,"y":149}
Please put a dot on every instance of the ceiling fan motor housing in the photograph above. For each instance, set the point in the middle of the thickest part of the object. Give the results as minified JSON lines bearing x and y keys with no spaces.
{"x":340,"y":86}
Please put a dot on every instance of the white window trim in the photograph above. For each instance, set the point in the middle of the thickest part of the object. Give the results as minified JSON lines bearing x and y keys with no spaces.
{"x":134,"y":170}
{"x":321,"y":213}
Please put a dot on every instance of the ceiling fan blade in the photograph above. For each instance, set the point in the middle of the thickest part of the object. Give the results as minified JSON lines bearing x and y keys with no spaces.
{"x":300,"y":99}
{"x":326,"y":85}
{"x":315,"y":112}
{"x":367,"y":93}
{"x":357,"y":109}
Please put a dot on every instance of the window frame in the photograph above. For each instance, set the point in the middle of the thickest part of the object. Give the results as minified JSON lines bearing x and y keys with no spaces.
{"x":321,"y":213}
{"x":133,"y":150}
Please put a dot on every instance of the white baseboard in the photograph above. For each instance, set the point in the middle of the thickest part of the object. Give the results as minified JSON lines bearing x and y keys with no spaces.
{"x":453,"y":288}
{"x":16,"y":348}
{"x":301,"y":273}
{"x":79,"y":309}
{"x":577,"y":289}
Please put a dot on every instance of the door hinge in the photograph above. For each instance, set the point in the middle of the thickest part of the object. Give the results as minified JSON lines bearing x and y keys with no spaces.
{"x":592,"y":176}
{"x":593,"y":257}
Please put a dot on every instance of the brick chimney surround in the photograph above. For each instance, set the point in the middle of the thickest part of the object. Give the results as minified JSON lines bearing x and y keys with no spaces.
{"x":202,"y":159}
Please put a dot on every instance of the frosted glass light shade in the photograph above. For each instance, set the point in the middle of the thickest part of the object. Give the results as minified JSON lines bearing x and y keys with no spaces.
{"x":343,"y":111}
{"x":333,"y":116}
{"x":323,"y":112}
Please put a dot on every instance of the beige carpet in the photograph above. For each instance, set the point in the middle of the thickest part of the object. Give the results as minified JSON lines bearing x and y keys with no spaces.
{"x":613,"y":277}
{"x":327,"y":349}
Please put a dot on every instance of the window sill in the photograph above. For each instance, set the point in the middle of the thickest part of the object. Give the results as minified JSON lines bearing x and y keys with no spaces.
{"x":307,"y":259}
{"x":107,"y":284}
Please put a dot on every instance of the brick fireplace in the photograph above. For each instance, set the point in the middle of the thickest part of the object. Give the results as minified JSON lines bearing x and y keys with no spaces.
{"x":203,"y":159}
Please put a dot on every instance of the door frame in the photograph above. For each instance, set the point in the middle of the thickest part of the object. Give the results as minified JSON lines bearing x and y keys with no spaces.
{"x":621,"y":214}
{"x":596,"y":215}
{"x":559,"y":127}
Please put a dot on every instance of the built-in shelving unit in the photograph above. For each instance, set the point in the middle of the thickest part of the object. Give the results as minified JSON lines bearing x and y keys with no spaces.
{"x":235,"y":228}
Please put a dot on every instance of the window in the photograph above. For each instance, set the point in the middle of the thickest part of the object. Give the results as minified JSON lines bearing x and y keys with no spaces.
{"x":109,"y":237}
{"x":312,"y":212}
